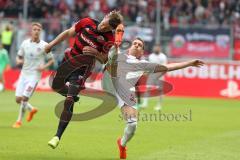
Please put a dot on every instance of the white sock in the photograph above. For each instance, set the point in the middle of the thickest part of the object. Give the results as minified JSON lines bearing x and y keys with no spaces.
{"x":29,"y":107}
{"x":129,"y":131}
{"x":145,"y":102}
{"x":21,"y":111}
{"x":159,"y":106}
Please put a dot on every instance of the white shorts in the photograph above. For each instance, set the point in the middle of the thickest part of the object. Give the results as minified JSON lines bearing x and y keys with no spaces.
{"x":108,"y":86}
{"x":121,"y":102}
{"x":26,"y":86}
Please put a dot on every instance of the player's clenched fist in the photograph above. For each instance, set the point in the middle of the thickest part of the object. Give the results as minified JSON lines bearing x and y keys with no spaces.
{"x":93,"y":52}
{"x":48,"y":48}
{"x":197,"y":63}
{"x":90,"y":50}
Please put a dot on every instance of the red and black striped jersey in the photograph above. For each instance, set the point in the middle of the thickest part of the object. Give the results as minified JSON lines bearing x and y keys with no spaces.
{"x":88,"y":35}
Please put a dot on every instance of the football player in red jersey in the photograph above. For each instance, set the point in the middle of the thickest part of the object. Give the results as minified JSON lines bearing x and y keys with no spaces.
{"x":90,"y":36}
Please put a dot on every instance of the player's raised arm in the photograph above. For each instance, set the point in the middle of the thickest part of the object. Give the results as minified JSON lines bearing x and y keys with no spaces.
{"x":61,"y":37}
{"x":160,"y":68}
{"x":181,"y":65}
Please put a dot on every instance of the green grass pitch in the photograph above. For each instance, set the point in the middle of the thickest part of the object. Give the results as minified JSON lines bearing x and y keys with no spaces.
{"x":213,"y":133}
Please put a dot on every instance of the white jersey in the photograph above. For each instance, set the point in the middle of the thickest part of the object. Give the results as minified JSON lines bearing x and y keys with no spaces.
{"x":134,"y":74}
{"x":34,"y":56}
{"x":160,"y":58}
{"x":125,"y":77}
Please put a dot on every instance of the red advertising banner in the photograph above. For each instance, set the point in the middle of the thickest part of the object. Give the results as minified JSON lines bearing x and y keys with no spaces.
{"x":11,"y":79}
{"x":237,"y":49}
{"x":216,"y":80}
{"x":199,"y":43}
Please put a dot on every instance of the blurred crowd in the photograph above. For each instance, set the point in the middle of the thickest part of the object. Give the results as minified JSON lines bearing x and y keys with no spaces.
{"x":174,"y":12}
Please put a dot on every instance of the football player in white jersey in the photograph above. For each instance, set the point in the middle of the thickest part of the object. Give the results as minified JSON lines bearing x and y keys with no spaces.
{"x":155,"y":79}
{"x":32,"y":56}
{"x":125,"y":71}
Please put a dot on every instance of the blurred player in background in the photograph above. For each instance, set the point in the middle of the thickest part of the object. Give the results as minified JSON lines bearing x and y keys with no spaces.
{"x":4,"y":65}
{"x":129,"y":69}
{"x":32,"y":56}
{"x":7,"y":38}
{"x":92,"y":37}
{"x":155,"y":79}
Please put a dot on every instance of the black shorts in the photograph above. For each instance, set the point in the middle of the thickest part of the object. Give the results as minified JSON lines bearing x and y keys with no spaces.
{"x":74,"y":70}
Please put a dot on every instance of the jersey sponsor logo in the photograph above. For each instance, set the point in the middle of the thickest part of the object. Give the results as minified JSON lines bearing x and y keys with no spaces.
{"x":131,"y":75}
{"x":88,"y":41}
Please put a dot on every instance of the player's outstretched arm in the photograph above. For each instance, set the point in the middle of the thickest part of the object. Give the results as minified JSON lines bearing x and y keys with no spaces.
{"x":181,"y":65}
{"x":61,"y":37}
{"x":160,"y":68}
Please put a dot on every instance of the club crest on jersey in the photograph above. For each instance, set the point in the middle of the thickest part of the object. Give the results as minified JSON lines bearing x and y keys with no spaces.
{"x":38,"y":49}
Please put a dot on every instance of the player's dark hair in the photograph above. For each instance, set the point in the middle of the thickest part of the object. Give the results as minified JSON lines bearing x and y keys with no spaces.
{"x":115,"y":18}
{"x":140,"y":39}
